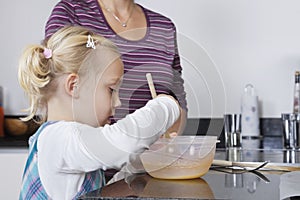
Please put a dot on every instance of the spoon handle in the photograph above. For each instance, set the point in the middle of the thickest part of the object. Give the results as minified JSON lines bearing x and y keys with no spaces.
{"x":151,"y":85}
{"x":153,"y":94}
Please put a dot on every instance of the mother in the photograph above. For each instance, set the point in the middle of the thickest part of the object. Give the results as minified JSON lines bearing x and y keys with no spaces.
{"x":146,"y":40}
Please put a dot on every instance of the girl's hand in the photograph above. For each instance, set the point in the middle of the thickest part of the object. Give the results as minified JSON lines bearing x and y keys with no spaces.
{"x":171,"y":135}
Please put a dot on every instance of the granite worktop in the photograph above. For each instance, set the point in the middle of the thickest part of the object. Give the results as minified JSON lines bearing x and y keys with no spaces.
{"x":216,"y":184}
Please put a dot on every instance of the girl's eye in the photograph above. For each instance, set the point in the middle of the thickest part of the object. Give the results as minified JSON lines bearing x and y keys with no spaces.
{"x":112,"y":90}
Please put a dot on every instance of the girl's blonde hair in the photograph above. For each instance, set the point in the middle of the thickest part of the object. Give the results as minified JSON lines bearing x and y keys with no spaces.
{"x":38,"y":71}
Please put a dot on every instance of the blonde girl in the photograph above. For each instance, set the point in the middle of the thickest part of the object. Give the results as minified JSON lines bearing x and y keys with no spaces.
{"x":72,"y":83}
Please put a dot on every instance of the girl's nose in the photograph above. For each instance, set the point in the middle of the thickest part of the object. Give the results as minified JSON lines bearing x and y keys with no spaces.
{"x":115,"y":104}
{"x":116,"y":101}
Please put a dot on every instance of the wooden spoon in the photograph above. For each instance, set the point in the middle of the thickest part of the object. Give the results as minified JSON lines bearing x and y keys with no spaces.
{"x":153,"y":94}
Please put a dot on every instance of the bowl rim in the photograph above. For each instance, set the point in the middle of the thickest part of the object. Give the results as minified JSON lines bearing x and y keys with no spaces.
{"x":160,"y":146}
{"x":188,"y":139}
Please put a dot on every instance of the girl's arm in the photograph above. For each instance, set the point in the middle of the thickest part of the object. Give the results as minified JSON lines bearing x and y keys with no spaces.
{"x":110,"y":146}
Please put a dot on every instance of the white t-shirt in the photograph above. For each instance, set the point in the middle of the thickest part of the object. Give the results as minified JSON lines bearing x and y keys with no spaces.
{"x":66,"y":150}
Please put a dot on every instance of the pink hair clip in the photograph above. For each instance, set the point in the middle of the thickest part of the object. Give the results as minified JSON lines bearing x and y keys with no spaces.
{"x":47,"y":53}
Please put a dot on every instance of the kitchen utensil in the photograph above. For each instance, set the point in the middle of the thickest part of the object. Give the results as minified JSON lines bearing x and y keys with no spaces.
{"x":151,"y":85}
{"x":153,"y":94}
{"x":268,"y":166}
{"x":291,"y":130}
{"x":232,"y":130}
{"x":180,"y":157}
{"x":239,"y":171}
{"x":250,"y":114}
{"x":236,"y":168}
{"x":237,"y":165}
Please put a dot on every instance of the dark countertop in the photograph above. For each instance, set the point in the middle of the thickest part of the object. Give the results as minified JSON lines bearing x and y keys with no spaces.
{"x":14,"y":142}
{"x":215,"y":184}
{"x":269,"y":127}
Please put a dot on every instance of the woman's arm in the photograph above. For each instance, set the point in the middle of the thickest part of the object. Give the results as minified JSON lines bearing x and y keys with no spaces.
{"x":178,"y":90}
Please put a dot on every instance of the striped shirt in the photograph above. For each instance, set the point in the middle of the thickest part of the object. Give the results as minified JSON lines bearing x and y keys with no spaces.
{"x":156,"y":52}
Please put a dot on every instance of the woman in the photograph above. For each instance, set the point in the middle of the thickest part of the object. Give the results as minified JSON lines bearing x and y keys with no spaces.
{"x":146,"y":40}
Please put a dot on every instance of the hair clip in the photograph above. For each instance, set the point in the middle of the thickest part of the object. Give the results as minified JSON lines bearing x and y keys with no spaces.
{"x":90,"y":42}
{"x":47,"y":53}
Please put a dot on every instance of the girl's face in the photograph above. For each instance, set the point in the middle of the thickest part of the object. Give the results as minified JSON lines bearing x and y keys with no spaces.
{"x":98,"y":88}
{"x":107,"y":92}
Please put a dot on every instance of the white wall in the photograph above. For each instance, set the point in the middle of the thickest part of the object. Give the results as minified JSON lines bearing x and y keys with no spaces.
{"x":249,"y":41}
{"x":22,"y":23}
{"x":223,"y":44}
{"x":11,"y":170}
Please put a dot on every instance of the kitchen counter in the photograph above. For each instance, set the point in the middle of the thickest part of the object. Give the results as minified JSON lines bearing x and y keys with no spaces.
{"x":215,"y":184}
{"x":269,"y":127}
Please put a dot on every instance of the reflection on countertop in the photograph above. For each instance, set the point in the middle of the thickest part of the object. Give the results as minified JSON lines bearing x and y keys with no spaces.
{"x":144,"y":186}
{"x":213,"y":185}
{"x":234,"y":184}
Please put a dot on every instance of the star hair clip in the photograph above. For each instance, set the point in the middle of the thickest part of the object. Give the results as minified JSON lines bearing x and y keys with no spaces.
{"x":90,"y":42}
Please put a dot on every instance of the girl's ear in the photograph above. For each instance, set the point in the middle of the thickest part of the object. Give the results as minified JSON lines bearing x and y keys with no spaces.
{"x":71,"y":85}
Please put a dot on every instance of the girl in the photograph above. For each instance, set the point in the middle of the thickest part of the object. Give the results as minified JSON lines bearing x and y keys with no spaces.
{"x":72,"y":82}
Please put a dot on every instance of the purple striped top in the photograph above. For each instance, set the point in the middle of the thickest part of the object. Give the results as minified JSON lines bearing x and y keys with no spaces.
{"x":156,"y":52}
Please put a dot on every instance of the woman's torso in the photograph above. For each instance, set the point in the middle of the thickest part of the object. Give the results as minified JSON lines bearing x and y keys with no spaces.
{"x":154,"y":53}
